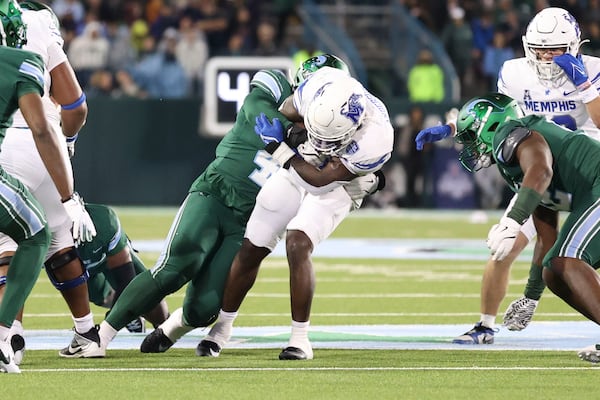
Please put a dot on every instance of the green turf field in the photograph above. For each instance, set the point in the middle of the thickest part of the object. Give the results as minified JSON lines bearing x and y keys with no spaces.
{"x":350,"y":291}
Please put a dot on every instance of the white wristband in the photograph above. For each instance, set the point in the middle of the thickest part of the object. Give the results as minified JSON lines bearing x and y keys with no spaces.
{"x":589,"y":94}
{"x":283,"y":154}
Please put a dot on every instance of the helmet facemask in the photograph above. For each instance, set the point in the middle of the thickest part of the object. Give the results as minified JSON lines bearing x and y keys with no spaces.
{"x":551,"y":29}
{"x":476,"y":126}
{"x":475,"y":154}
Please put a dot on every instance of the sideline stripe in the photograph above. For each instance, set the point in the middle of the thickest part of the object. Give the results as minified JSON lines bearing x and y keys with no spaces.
{"x":542,"y":336}
{"x":301,"y":369}
{"x":389,"y":314}
{"x":417,"y":249}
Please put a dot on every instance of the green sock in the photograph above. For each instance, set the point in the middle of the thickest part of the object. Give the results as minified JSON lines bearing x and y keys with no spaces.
{"x":140,"y":296}
{"x":535,"y":284}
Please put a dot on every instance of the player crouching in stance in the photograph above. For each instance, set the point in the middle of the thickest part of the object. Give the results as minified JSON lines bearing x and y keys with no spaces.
{"x":556,"y":79}
{"x":538,"y":158}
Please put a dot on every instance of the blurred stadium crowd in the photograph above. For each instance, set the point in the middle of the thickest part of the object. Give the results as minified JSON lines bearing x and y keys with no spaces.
{"x":158,"y":49}
{"x":119,"y":48}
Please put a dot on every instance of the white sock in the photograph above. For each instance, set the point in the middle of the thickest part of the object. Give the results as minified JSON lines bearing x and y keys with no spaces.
{"x":174,"y":327}
{"x":85,"y":323}
{"x":299,"y":337}
{"x":299,"y":331}
{"x":488,"y":320}
{"x":220,"y":332}
{"x":107,"y":333}
{"x":4,"y":331}
{"x":16,"y":328}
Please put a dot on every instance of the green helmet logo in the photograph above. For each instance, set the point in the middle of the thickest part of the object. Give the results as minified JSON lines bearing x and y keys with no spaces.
{"x":477,"y":123}
{"x":315,"y":63}
{"x":12,"y":28}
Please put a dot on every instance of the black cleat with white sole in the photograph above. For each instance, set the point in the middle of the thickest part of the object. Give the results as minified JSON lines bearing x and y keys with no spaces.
{"x":208,"y":348}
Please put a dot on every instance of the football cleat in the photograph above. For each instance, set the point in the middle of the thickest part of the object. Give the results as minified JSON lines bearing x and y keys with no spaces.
{"x":294,"y":353}
{"x":519,"y":313}
{"x":7,"y":359}
{"x":156,"y":342}
{"x":480,"y":334}
{"x":208,"y":348}
{"x":84,"y":345}
{"x":590,"y":353}
{"x":17,"y":342}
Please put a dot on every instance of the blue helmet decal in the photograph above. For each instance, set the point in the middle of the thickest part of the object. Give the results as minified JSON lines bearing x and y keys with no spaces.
{"x":354,"y":109}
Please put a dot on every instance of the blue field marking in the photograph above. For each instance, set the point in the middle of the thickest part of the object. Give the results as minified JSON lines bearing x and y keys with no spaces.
{"x":548,"y":336}
{"x":418,"y":249}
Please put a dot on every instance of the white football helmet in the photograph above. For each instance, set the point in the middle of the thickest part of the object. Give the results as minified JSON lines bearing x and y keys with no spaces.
{"x":334,"y":114}
{"x":551,"y":28}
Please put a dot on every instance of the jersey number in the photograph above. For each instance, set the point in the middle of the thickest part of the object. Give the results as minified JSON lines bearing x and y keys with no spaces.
{"x":266,"y":167}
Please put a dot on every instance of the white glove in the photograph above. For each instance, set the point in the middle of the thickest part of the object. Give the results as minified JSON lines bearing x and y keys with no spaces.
{"x":83,"y":228}
{"x":502,"y":237}
{"x":71,"y":145}
{"x":362,"y":186}
{"x":519,"y":313}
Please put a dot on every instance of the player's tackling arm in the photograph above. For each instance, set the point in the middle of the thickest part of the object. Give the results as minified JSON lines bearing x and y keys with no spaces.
{"x":333,"y":171}
{"x":288,"y":109}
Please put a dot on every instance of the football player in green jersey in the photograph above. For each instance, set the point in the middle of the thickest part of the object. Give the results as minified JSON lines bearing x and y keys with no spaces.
{"x":209,"y":226}
{"x":21,"y":216}
{"x":111,"y":263}
{"x":550,"y":168}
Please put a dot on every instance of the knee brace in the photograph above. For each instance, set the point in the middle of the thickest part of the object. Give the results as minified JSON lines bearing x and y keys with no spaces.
{"x":59,"y":261}
{"x":4,"y":261}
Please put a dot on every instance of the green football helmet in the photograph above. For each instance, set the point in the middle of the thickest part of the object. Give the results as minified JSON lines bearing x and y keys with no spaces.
{"x":12,"y":27}
{"x":315,"y":63}
{"x":477,"y":123}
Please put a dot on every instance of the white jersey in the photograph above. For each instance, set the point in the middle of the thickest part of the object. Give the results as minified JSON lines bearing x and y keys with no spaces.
{"x":43,"y":38}
{"x":19,"y":155}
{"x":562,"y":105}
{"x":373,"y":142}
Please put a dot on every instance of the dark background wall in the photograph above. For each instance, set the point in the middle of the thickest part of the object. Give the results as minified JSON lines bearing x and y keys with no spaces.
{"x":140,"y":152}
{"x":148,"y":152}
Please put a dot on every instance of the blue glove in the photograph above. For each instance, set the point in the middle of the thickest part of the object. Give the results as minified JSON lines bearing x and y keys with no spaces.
{"x":574,"y":68}
{"x":268,"y":132}
{"x":433,"y":134}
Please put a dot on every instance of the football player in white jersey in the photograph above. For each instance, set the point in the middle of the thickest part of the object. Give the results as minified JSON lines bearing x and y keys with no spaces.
{"x":350,"y":137}
{"x":555,"y":80}
{"x":66,"y":110}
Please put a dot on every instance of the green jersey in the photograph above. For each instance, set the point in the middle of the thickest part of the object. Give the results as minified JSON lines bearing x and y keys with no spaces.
{"x":109,"y":240}
{"x":24,"y":72}
{"x":576,"y":159}
{"x":242,"y":165}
